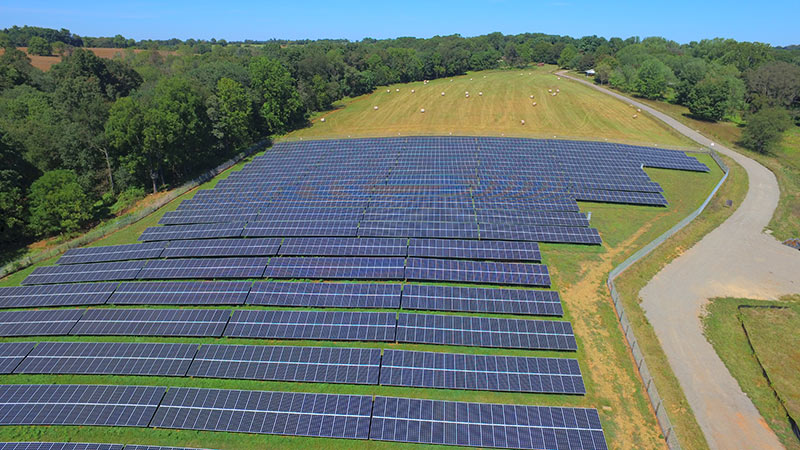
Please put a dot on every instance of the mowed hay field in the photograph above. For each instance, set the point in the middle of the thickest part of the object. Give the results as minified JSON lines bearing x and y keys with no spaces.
{"x":576,"y":112}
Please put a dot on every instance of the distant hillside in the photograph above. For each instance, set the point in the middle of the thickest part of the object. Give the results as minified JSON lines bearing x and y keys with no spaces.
{"x":45,"y":62}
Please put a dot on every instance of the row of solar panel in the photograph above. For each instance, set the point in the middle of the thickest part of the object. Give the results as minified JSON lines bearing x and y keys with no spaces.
{"x":304,"y":414}
{"x":316,"y":325}
{"x":390,"y":228}
{"x":274,"y":293}
{"x":323,"y":268}
{"x":299,"y":364}
{"x":315,"y":246}
{"x":81,"y":446}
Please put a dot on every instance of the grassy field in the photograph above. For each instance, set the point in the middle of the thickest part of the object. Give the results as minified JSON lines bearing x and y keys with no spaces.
{"x":773,"y":337}
{"x":577,"y":112}
{"x":578,"y":273}
{"x":784,"y":163}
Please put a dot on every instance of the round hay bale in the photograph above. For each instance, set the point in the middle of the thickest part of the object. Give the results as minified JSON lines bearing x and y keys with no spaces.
{"x":531,"y":96}
{"x":638,"y":110}
{"x":466,"y":95}
{"x":388,"y":90}
{"x":635,"y":116}
{"x":522,"y":122}
{"x":422,"y":110}
{"x":554,"y":94}
{"x":480,"y":93}
{"x":397,"y":90}
{"x":375,"y":107}
{"x":558,"y":90}
{"x":534,"y":103}
{"x":322,"y":120}
{"x":412,"y":91}
{"x":442,"y":94}
{"x":466,"y":92}
{"x":470,"y":79}
{"x":549,"y":90}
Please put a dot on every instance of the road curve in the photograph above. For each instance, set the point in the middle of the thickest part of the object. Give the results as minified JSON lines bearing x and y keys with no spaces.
{"x":737,"y":259}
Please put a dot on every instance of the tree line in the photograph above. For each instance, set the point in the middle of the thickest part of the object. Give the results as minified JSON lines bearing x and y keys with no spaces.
{"x":82,"y":141}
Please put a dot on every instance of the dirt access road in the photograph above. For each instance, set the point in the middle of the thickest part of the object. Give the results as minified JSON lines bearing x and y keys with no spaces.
{"x":735,"y":260}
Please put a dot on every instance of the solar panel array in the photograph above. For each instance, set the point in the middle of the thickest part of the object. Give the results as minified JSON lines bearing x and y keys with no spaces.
{"x":59,"y":446}
{"x":485,"y":425}
{"x":430,"y":210}
{"x":119,"y":406}
{"x":289,"y":413}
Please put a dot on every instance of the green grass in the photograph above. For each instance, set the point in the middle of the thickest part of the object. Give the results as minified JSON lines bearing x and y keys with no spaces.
{"x":723,"y":328}
{"x":578,"y":273}
{"x":784,"y":163}
{"x":577,"y":112}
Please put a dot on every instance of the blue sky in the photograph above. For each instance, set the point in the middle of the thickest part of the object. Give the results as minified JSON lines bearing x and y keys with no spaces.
{"x":773,"y":22}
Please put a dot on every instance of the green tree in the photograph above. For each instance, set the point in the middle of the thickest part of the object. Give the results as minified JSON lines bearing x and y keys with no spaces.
{"x":57,"y":204}
{"x":569,"y":57}
{"x":714,"y":97}
{"x":230,"y":111}
{"x":775,"y":83}
{"x":651,"y":79}
{"x":123,"y":131}
{"x":279,"y":103}
{"x":12,"y":194}
{"x":764,"y":129}
{"x":39,"y":46}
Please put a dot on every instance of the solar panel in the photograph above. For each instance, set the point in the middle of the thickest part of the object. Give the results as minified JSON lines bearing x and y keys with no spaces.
{"x":55,"y":295}
{"x":306,"y":364}
{"x":77,"y":273}
{"x":54,"y":322}
{"x":329,"y":246}
{"x":486,"y":425}
{"x":430,"y":269}
{"x":486,"y":300}
{"x":343,"y":228}
{"x":320,"y":325}
{"x":558,"y":235}
{"x":327,"y":267}
{"x":207,"y":215}
{"x":208,"y":268}
{"x":112,"y":253}
{"x":58,"y":446}
{"x":332,"y":295}
{"x":152,"y":322}
{"x":471,"y":249}
{"x":199,"y":231}
{"x":481,"y":372}
{"x":12,"y":353}
{"x":119,"y":406}
{"x":109,"y":358}
{"x":454,"y":230}
{"x":181,"y":293}
{"x":287,"y":413}
{"x":485,"y":332}
{"x":222,"y":247}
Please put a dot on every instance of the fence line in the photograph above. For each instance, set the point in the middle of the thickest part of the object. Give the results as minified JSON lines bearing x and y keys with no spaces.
{"x":655,"y":399}
{"x":124,"y":221}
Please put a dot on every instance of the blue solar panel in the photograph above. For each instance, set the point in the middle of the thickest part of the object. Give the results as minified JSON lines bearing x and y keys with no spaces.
{"x":112,"y":358}
{"x":152,"y":322}
{"x":58,"y":446}
{"x":181,"y":293}
{"x":112,"y":253}
{"x":485,"y":332}
{"x":55,"y":295}
{"x":52,"y":322}
{"x":307,"y":364}
{"x":472,"y":249}
{"x":119,"y":406}
{"x":390,"y":268}
{"x":320,"y":325}
{"x":481,"y":372}
{"x":288,"y":413}
{"x":430,"y":269}
{"x":486,"y":425}
{"x":201,"y":231}
{"x":332,"y":295}
{"x":487,"y":300}
{"x":222,"y":247}
{"x":12,"y":353}
{"x":206,"y":268}
{"x":344,"y":247}
{"x":77,"y":273}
